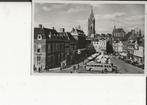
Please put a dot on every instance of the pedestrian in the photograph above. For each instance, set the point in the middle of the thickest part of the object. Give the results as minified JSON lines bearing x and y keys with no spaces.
{"x":39,"y":70}
{"x":78,"y":66}
{"x":74,"y":68}
{"x":102,"y":71}
{"x":84,"y":67}
{"x":47,"y":70}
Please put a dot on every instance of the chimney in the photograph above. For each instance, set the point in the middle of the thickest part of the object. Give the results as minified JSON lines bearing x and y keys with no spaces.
{"x":40,"y":26}
{"x":140,"y":34}
{"x":62,"y":30}
{"x":53,"y":28}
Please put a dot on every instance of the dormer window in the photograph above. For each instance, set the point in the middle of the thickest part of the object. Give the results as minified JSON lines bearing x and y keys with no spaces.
{"x":39,"y":37}
{"x":49,"y":35}
{"x":136,"y":46}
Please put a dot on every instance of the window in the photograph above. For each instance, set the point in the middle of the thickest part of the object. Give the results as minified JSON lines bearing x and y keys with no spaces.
{"x":49,"y":48}
{"x":98,"y":65}
{"x":38,"y":60}
{"x":38,"y":50}
{"x":49,"y":35}
{"x":39,"y":37}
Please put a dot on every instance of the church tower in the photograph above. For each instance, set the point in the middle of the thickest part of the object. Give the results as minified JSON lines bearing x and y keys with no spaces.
{"x":91,"y":24}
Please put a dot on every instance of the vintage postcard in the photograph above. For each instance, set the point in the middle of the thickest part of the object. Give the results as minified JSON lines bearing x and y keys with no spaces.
{"x":88,"y":37}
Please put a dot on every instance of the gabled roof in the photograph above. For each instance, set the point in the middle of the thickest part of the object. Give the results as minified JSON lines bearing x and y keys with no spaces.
{"x":70,"y":37}
{"x":63,"y":35}
{"x":78,"y":31}
{"x":48,"y":33}
{"x":39,"y":31}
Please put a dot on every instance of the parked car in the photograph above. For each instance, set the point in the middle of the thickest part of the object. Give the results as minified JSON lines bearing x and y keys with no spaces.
{"x":116,"y":54}
{"x":134,"y":63}
{"x":114,"y":69}
{"x":90,"y":58}
{"x":121,"y":58}
{"x":140,"y":65}
{"x":127,"y":60}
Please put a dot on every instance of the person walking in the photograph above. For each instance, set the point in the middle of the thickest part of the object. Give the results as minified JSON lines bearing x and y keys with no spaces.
{"x":78,"y":66}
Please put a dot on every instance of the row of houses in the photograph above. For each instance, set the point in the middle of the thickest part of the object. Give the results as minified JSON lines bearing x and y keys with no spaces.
{"x":99,"y":44}
{"x":51,"y":48}
{"x":102,"y":43}
{"x":129,"y":44}
{"x":131,"y":49}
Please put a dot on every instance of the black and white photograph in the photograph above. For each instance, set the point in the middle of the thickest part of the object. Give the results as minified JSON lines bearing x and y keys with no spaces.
{"x":92,"y":38}
{"x":73,"y":53}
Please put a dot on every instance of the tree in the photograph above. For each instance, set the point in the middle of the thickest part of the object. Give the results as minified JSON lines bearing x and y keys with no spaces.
{"x":90,"y":49}
{"x":109,"y":48}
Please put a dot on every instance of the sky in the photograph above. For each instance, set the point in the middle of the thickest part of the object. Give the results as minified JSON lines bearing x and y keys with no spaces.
{"x":69,"y":15}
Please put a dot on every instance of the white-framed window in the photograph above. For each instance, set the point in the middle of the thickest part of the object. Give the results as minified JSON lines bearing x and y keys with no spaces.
{"x":49,"y":34}
{"x":39,"y":37}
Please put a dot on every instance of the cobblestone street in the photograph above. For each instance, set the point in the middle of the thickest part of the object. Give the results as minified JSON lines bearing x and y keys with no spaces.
{"x":124,"y":67}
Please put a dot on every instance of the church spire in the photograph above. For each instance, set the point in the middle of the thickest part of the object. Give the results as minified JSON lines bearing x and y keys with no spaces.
{"x":91,"y":24}
{"x":91,"y":14}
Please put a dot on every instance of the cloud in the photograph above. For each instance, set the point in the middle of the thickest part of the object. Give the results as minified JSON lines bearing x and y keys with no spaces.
{"x":110,"y":16}
{"x":58,"y":6}
{"x":76,"y":9}
{"x":95,"y":5}
{"x":49,"y":7}
{"x":72,"y":10}
{"x":135,"y":18}
{"x":82,"y":21}
{"x":133,"y":21}
{"x":121,"y":20}
{"x":45,"y":8}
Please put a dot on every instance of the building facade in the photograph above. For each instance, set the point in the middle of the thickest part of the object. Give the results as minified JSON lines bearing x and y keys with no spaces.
{"x":99,"y":45}
{"x":70,"y":47}
{"x":118,"y":47}
{"x":118,"y":34}
{"x":139,"y":54}
{"x":50,"y":48}
{"x":80,"y":37}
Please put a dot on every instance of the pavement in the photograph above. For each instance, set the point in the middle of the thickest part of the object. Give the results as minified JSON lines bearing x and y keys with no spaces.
{"x":124,"y":67}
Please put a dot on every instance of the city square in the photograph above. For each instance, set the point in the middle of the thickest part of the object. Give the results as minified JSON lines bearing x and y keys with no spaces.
{"x":109,"y":42}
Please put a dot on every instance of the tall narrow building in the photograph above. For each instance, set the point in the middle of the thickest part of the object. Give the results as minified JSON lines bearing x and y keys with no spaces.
{"x":91,"y":24}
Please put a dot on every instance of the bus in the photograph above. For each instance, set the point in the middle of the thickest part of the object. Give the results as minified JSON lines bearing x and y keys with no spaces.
{"x":102,"y":67}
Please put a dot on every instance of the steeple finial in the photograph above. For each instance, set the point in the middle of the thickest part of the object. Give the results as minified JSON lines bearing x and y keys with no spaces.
{"x":91,"y":14}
